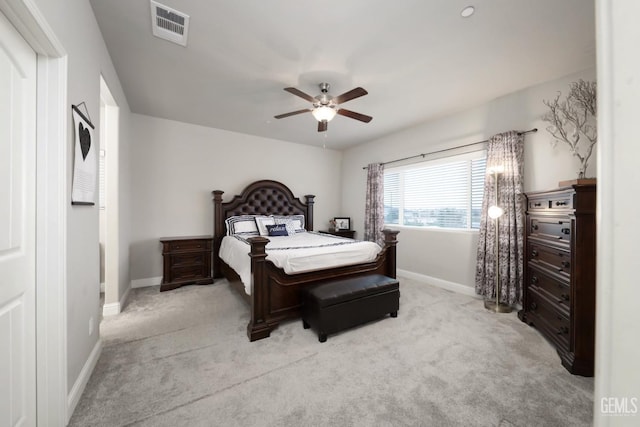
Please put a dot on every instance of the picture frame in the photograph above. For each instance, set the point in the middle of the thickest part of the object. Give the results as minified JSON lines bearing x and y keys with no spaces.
{"x":85,"y":163}
{"x":342,"y":223}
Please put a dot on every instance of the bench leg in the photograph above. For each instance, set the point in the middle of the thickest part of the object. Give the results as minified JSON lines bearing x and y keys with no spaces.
{"x":394,"y":314}
{"x":322,"y":337}
{"x":305,"y":325}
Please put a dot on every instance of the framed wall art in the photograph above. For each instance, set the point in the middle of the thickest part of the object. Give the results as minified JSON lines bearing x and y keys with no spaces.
{"x":85,"y":162}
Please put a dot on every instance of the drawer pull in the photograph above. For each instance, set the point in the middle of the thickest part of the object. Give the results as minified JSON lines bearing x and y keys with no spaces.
{"x":533,"y":306}
{"x":537,"y":205}
{"x":563,"y":330}
{"x":534,"y":253}
{"x":534,"y":226}
{"x":564,"y":297}
{"x":566,"y":231}
{"x":534,"y":280}
{"x":561,"y":203}
{"x":565,"y":264}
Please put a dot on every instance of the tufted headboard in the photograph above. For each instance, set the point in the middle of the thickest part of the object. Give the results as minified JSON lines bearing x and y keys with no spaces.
{"x":264,"y":197}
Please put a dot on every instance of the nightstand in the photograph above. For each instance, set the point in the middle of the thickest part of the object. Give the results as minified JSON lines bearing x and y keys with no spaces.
{"x":187,"y":261}
{"x":342,"y":233}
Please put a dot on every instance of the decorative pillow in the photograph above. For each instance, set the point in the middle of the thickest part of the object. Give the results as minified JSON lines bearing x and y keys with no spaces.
{"x":289,"y":225}
{"x":241,"y":224}
{"x":277,"y":230}
{"x":298,"y":221}
{"x":262,"y":222}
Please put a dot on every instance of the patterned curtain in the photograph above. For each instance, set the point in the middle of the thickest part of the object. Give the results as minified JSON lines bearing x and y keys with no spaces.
{"x":506,"y":150}
{"x":374,"y":209}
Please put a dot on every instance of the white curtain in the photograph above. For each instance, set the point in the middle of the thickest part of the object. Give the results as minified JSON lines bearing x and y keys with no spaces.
{"x":374,"y":209}
{"x":505,"y":150}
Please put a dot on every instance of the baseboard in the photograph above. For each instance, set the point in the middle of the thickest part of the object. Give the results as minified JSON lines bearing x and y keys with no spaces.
{"x":149,"y":281}
{"x":78,"y":387}
{"x":111,"y":309}
{"x":115,"y":308}
{"x":444,"y":284}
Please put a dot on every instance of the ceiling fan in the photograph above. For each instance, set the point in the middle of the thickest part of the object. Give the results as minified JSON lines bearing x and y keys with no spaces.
{"x":325,"y":106}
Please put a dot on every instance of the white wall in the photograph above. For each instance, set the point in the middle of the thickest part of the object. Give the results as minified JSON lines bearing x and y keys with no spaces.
{"x":450,"y":256}
{"x":75,"y":26}
{"x":124,"y":202}
{"x":175,"y":166}
{"x":617,"y":378}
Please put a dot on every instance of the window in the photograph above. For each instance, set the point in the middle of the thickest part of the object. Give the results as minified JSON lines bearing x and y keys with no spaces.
{"x":443,"y":193}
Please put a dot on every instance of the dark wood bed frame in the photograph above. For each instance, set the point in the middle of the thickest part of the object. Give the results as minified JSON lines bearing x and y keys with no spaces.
{"x":275,"y":295}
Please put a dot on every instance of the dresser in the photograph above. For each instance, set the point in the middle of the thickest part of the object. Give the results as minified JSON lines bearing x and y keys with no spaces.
{"x":351,"y":234}
{"x":560,"y":272}
{"x":186,"y":261}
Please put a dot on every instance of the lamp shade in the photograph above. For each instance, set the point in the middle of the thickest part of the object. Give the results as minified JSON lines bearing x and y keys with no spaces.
{"x":495,"y":212}
{"x":495,"y":170}
{"x":324,"y":113}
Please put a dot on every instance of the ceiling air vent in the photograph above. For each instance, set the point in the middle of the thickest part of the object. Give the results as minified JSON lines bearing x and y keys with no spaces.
{"x":169,"y":24}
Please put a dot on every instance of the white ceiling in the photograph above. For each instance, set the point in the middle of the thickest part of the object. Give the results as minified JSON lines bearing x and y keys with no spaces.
{"x":418,"y":59}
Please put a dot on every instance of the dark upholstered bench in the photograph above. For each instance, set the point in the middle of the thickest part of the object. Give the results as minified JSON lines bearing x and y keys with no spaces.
{"x":335,"y":306}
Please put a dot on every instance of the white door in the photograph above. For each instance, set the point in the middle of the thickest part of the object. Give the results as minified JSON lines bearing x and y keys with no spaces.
{"x":17,"y":229}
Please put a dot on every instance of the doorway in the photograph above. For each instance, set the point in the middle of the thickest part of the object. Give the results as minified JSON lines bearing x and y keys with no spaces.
{"x":108,"y":202}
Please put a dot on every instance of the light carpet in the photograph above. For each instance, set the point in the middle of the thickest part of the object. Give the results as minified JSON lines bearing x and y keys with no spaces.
{"x":182,"y":358}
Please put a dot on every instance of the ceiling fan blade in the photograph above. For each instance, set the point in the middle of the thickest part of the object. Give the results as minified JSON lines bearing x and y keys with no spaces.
{"x":300,"y":93}
{"x":348,"y":96}
{"x":354,"y":115}
{"x":293,"y":113}
{"x":322,"y":126}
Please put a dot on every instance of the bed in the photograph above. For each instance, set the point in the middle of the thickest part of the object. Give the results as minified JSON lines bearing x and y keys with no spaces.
{"x":275,"y":295}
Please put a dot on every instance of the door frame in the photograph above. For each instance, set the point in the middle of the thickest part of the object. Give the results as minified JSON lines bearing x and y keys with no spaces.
{"x":51,"y":208}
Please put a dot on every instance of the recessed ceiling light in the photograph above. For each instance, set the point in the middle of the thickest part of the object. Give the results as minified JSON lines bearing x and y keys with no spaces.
{"x":467,"y":11}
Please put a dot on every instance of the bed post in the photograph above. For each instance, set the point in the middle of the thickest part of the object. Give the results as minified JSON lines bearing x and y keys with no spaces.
{"x":309,"y":220}
{"x":390,"y":242}
{"x":218,"y":231}
{"x":258,"y":327}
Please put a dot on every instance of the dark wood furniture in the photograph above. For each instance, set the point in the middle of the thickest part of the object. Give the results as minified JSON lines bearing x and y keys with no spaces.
{"x":275,"y":295}
{"x":560,"y":272}
{"x":187,"y":261}
{"x":341,"y":304}
{"x":351,"y":234}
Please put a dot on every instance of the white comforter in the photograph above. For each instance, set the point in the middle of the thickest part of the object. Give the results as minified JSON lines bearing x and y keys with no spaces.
{"x":302,"y":252}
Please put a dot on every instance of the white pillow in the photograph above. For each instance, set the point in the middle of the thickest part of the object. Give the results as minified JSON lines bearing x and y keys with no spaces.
{"x":298,"y":221}
{"x":241,"y":224}
{"x":289,"y":225}
{"x":262,"y":222}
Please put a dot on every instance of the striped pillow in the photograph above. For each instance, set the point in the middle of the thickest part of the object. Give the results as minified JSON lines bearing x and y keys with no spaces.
{"x":241,"y":224}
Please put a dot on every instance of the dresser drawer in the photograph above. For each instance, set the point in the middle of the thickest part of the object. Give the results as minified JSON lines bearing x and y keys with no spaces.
{"x":551,"y":201}
{"x":190,"y":245}
{"x":557,"y":290}
{"x":549,"y":257}
{"x":188,"y":259}
{"x":548,"y":319}
{"x":550,"y":228}
{"x":192,"y":272}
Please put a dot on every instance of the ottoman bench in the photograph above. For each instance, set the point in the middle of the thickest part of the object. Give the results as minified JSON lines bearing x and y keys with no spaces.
{"x":337,"y":305}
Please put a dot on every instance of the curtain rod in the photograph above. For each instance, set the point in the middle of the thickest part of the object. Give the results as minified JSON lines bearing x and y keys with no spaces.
{"x":449,"y":149}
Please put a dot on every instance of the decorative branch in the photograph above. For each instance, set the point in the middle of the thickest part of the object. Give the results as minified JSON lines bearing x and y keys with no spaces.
{"x":574,"y":118}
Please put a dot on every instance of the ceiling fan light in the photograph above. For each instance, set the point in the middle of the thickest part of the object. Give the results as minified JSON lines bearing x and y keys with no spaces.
{"x":324,"y":113}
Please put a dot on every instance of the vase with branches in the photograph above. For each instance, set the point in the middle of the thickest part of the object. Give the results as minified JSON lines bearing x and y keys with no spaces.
{"x":573,"y":121}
